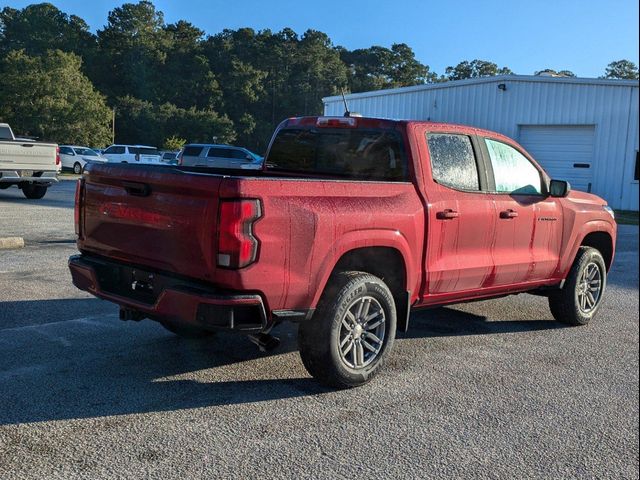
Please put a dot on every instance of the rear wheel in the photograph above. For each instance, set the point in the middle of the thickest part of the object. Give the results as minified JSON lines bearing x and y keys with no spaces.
{"x":345,"y":343}
{"x":578,"y":302}
{"x":187,"y":331}
{"x":77,"y":168}
{"x":34,"y":191}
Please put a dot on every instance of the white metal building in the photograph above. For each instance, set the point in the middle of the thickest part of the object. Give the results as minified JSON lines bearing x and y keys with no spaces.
{"x":579,"y":129}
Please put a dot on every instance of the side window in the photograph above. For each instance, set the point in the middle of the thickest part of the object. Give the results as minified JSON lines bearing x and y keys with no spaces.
{"x":192,"y":151}
{"x":453,"y":162}
{"x":238,"y":154}
{"x":114,"y":150}
{"x":66,"y":151}
{"x":512,"y":171}
{"x":216,"y":153}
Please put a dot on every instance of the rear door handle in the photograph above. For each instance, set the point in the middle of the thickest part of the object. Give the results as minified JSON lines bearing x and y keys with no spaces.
{"x":447,"y":214}
{"x":508,"y":214}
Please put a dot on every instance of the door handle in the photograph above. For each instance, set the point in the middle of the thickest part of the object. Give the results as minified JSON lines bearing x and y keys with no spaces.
{"x":447,"y":214}
{"x":508,"y":214}
{"x":137,"y":189}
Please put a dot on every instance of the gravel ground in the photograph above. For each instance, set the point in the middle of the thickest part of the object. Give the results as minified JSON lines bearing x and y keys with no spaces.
{"x":493,"y":389}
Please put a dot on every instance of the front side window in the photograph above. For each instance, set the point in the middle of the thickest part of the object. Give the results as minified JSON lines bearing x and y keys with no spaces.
{"x":216,"y":153}
{"x":238,"y":154}
{"x":453,"y":162}
{"x":87,"y":152}
{"x":114,"y":150}
{"x":191,"y":151}
{"x":512,"y":171}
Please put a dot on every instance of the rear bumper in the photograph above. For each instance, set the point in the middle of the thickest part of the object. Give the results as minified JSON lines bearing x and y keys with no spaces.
{"x":167,"y":298}
{"x":14,"y":176}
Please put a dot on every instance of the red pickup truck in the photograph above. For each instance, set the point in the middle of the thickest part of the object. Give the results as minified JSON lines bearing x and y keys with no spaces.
{"x":351,"y":223}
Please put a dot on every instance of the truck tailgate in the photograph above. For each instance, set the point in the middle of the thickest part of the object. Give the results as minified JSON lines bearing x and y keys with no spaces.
{"x":151,"y":216}
{"x":27,"y":155}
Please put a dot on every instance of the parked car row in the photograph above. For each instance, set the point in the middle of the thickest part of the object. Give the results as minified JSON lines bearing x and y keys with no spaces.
{"x":76,"y":157}
{"x":33,"y":166}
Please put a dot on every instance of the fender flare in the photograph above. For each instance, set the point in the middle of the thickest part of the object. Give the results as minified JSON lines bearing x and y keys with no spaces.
{"x":592,"y":226}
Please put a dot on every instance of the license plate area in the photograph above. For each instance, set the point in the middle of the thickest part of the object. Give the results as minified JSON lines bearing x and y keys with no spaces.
{"x":140,"y":285}
{"x":25,"y":173}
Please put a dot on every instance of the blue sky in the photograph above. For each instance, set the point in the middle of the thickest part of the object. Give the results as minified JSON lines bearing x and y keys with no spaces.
{"x":581,"y":36}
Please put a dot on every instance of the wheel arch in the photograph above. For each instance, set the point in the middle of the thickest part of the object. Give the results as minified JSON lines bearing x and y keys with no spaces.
{"x":601,"y":241}
{"x":385,"y":262}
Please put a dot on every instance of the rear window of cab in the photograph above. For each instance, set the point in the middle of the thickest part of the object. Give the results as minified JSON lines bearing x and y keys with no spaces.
{"x":349,"y":153}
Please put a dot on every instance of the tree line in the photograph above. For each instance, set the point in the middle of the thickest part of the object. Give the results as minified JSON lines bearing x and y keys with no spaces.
{"x":171,"y":83}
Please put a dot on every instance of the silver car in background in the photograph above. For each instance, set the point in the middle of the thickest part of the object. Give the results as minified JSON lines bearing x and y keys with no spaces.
{"x":219,"y":156}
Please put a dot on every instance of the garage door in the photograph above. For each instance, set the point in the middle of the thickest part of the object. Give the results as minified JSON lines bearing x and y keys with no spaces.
{"x":564,"y":151}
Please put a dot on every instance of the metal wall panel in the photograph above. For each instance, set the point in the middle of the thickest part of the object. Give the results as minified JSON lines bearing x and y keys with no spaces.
{"x":612,"y":106}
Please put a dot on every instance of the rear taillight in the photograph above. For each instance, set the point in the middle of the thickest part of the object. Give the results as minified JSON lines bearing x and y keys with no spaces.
{"x":57,"y":155}
{"x":76,"y":209}
{"x":237,"y":247}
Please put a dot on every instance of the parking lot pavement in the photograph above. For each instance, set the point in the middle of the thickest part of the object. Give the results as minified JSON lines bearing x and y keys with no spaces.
{"x":490,"y":389}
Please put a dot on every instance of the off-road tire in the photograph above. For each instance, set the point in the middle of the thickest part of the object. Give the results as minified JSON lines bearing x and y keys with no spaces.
{"x":33,"y":191}
{"x":319,"y":337}
{"x":564,"y":303}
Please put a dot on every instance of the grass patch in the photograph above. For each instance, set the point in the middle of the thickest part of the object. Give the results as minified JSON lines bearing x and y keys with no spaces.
{"x":626,"y":217}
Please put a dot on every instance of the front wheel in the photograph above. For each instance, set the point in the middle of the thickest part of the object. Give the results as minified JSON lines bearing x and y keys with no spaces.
{"x":34,"y":191}
{"x":345,"y":343}
{"x":578,"y":302}
{"x":77,"y":168}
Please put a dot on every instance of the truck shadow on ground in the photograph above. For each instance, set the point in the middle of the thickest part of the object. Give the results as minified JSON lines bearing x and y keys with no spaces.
{"x":98,"y":366}
{"x":15,"y":196}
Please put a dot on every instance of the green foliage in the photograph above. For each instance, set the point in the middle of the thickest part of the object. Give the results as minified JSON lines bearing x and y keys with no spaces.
{"x":141,"y":121}
{"x":378,"y":67}
{"x":173,"y":143}
{"x":551,"y":72}
{"x":623,"y":69}
{"x":48,"y":97}
{"x":41,"y":27}
{"x":475,"y":68}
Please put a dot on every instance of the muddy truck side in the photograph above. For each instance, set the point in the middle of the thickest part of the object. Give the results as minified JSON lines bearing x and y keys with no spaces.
{"x":351,"y":223}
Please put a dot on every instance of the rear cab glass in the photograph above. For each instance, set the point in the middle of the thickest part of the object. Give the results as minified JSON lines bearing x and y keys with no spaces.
{"x":5,"y":133}
{"x":363,"y":154}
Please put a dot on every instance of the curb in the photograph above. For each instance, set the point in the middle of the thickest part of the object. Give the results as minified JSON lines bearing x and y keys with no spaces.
{"x":7,"y":243}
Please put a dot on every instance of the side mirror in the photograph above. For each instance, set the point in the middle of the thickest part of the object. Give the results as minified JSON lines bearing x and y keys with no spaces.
{"x":559,"y":188}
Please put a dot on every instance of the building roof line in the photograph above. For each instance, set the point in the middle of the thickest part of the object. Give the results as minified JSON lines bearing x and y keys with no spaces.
{"x":494,"y":79}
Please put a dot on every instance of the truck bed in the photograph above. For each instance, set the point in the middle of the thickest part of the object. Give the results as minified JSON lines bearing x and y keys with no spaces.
{"x":165,"y":219}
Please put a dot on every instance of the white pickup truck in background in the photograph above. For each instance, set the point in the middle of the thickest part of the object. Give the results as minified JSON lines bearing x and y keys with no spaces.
{"x":32,"y":166}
